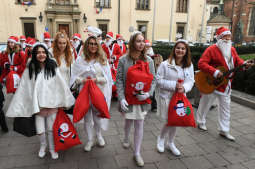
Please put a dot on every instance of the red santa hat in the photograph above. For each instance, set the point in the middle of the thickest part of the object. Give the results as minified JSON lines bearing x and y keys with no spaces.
{"x":14,"y":39}
{"x":46,"y":36}
{"x":22,"y":37}
{"x":31,"y":42}
{"x":147,"y":42}
{"x":118,"y":36}
{"x":77,"y":36}
{"x":110,"y":35}
{"x":222,"y":31}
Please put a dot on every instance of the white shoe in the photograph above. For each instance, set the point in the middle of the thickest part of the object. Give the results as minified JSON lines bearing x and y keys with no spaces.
{"x":202,"y":126}
{"x":42,"y":151}
{"x":160,"y":145}
{"x":54,"y":155}
{"x":89,"y":146}
{"x":174,"y":150}
{"x":139,"y":160}
{"x":100,"y":141}
{"x":126,"y":144}
{"x":227,"y":135}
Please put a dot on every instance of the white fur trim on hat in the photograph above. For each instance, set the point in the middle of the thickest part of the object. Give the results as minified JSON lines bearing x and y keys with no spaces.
{"x":76,"y":37}
{"x":40,"y":43}
{"x":12,"y":40}
{"x":183,"y":40}
{"x":223,"y":34}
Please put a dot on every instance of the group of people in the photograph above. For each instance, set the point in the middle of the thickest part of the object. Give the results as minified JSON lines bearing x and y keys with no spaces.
{"x":51,"y":70}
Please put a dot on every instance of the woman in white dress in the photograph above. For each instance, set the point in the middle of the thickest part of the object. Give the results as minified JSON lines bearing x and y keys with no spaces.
{"x":134,"y":113}
{"x":93,"y":63}
{"x":42,"y":91}
{"x":177,"y":66}
{"x":63,"y":54}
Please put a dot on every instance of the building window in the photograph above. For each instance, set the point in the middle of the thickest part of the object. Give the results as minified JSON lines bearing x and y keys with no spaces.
{"x":25,"y":1}
{"x":63,"y":2}
{"x":103,"y":25}
{"x":142,"y":26}
{"x":252,"y":22}
{"x":29,"y":30}
{"x":142,"y":4}
{"x":103,"y":3}
{"x":180,"y":30}
{"x":182,"y":6}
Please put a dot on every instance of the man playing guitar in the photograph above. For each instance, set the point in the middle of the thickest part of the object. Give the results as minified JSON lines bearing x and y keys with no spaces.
{"x":220,"y":54}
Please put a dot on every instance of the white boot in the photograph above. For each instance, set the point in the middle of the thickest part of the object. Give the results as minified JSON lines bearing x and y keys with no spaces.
{"x":54,"y":155}
{"x":43,"y":145}
{"x":100,"y":140}
{"x":174,"y":150}
{"x":160,"y":144}
{"x":89,"y":146}
{"x":139,"y":160}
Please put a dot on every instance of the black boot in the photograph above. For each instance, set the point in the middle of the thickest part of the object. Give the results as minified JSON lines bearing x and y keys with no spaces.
{"x":3,"y":122}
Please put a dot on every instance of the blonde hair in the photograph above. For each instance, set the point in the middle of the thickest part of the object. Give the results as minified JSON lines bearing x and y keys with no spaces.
{"x":15,"y":49}
{"x":131,"y":46}
{"x":100,"y":55}
{"x":56,"y":51}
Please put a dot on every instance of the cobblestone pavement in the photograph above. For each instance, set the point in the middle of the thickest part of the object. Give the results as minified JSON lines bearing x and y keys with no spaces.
{"x":200,"y":150}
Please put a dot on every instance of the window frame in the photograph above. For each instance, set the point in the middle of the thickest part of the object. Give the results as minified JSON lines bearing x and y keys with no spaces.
{"x":139,"y":5}
{"x":28,"y":20}
{"x":181,"y":24}
{"x":143,"y":23}
{"x":182,"y":6}
{"x":97,"y":4}
{"x":252,"y":15}
{"x":103,"y":22}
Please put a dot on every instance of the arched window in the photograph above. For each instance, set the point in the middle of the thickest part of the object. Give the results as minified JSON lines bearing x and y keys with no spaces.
{"x":182,"y":6}
{"x":215,"y":10}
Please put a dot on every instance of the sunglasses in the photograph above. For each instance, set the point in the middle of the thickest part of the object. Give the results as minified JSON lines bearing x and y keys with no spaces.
{"x":92,"y":44}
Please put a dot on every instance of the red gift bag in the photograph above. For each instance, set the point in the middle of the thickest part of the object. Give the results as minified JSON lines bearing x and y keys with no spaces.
{"x":138,"y":81}
{"x":65,"y":135}
{"x":98,"y":100}
{"x":81,"y":106}
{"x":180,"y":111}
{"x":12,"y":82}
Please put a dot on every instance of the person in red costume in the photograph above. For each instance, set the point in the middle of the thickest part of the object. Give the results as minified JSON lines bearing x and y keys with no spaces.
{"x":29,"y":46}
{"x":220,"y":54}
{"x":112,"y":50}
{"x":121,"y":43}
{"x":22,"y":41}
{"x":12,"y":59}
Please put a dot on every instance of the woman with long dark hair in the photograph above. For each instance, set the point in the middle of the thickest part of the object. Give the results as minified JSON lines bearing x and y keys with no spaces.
{"x":92,"y":63}
{"x":42,"y":91}
{"x":134,"y":113}
{"x":177,"y":66}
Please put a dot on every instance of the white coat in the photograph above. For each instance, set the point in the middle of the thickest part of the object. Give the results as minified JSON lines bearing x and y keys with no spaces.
{"x":32,"y":95}
{"x":166,"y":79}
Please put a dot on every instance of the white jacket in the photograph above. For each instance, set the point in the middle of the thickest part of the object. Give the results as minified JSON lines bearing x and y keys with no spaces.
{"x":167,"y":77}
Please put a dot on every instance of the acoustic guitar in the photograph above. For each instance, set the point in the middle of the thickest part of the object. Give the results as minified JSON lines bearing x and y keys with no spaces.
{"x":206,"y":83}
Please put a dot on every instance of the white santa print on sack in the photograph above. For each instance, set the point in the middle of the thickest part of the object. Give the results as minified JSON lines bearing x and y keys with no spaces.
{"x":180,"y":110}
{"x":138,"y":88}
{"x":64,"y":132}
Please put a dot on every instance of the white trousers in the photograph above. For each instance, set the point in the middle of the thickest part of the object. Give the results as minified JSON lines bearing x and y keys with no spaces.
{"x":223,"y":109}
{"x":42,"y":122}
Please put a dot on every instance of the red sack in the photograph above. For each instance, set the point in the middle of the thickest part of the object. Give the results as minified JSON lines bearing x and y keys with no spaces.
{"x":81,"y":106}
{"x":180,"y":111}
{"x":12,"y":82}
{"x":98,"y":100}
{"x":138,"y":81}
{"x":65,"y":135}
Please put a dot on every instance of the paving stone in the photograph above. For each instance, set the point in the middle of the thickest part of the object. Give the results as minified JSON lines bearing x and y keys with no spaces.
{"x":64,"y":165}
{"x":216,"y":160}
{"x":198,"y":162}
{"x":107,"y":163}
{"x":249,"y":164}
{"x":236,"y":166}
{"x":171,"y":164}
{"x":234,"y":157}
{"x":191,"y":150}
{"x":87,"y":163}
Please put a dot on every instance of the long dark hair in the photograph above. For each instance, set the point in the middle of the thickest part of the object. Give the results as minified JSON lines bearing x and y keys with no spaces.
{"x":186,"y":61}
{"x":34,"y":65}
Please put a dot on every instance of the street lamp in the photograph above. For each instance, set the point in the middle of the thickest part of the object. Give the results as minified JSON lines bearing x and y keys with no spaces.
{"x":84,"y":18}
{"x":40,"y":17}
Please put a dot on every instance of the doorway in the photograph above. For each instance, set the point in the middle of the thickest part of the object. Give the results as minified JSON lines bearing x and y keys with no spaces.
{"x":64,"y":27}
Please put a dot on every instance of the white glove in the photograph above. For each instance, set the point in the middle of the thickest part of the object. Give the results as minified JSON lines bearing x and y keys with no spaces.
{"x":124,"y":104}
{"x":142,"y":97}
